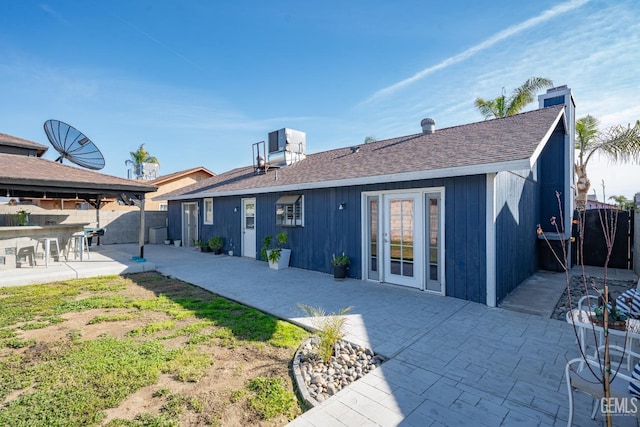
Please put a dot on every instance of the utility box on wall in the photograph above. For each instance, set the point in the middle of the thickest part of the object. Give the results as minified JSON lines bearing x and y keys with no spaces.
{"x":157,"y":235}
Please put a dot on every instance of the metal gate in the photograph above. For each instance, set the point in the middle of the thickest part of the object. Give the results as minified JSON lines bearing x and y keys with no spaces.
{"x":595,"y":246}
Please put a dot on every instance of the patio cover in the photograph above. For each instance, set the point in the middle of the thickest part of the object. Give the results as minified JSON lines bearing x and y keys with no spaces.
{"x":28,"y":176}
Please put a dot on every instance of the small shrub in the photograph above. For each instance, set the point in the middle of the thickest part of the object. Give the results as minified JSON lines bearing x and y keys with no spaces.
{"x":329,"y":328}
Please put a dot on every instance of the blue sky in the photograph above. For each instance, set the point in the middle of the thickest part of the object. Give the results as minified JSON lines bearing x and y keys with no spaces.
{"x":199,"y":81}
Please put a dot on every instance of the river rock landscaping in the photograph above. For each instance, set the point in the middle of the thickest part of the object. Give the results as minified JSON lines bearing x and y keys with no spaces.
{"x":322,"y":380}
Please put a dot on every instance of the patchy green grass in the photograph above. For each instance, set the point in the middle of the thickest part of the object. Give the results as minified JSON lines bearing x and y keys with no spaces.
{"x":63,"y":377}
{"x":270,"y":398}
{"x":113,"y":318}
{"x":75,"y":383}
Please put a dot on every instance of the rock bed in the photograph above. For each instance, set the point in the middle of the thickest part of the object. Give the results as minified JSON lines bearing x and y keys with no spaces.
{"x":576,"y":287}
{"x":323,"y":380}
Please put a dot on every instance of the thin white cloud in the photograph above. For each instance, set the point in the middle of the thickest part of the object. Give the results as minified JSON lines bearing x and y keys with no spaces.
{"x":156,"y":41}
{"x":491,"y":41}
{"x":53,"y":13}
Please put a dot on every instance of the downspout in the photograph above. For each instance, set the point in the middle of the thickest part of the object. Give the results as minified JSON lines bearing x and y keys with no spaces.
{"x":98,"y":202}
{"x":141,"y":231}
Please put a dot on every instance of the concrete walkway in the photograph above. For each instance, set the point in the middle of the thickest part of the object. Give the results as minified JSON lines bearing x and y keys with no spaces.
{"x":101,"y":261}
{"x":451,"y":362}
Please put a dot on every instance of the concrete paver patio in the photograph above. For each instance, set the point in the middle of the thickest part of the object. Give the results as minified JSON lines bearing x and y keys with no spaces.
{"x":451,"y":362}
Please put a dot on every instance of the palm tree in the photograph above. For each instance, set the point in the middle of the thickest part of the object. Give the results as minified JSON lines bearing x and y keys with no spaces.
{"x":623,"y":203}
{"x":369,"y":139}
{"x":503,"y":106}
{"x":140,"y":156}
{"x":617,"y":143}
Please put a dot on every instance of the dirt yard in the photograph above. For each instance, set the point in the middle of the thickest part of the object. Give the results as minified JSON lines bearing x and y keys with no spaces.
{"x":228,"y":349}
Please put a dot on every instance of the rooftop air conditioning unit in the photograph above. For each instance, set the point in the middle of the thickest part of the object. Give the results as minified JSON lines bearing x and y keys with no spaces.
{"x":286,"y":146}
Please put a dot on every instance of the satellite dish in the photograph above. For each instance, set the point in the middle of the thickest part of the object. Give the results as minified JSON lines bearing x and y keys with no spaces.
{"x":73,"y":145}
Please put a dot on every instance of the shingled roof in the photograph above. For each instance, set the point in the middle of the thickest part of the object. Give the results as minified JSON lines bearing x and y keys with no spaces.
{"x":171,"y":176}
{"x":24,"y":176}
{"x":508,"y":143}
{"x":14,"y":141}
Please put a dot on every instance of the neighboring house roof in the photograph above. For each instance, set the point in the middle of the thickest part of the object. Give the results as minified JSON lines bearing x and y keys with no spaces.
{"x":169,"y":177}
{"x":29,"y":176}
{"x":508,"y":143}
{"x":22,"y":143}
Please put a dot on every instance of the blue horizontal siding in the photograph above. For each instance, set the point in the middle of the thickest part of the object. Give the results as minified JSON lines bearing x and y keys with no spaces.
{"x":328,"y":230}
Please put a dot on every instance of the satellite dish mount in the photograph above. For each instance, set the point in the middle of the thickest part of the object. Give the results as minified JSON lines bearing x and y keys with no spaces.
{"x":73,"y":145}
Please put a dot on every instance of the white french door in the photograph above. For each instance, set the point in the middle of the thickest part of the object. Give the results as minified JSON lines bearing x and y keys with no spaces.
{"x":402,"y":238}
{"x":403,"y":234}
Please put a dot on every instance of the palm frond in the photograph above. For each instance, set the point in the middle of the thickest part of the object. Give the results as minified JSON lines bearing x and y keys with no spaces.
{"x":621,"y":144}
{"x":524,"y":94}
{"x":490,"y":108}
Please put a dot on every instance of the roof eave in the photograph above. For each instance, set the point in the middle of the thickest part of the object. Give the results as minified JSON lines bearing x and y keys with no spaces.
{"x":398,"y":177}
{"x":72,"y":187}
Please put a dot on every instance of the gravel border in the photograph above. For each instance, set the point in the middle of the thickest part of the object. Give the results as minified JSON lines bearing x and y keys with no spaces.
{"x":576,"y":284}
{"x":300,"y":362}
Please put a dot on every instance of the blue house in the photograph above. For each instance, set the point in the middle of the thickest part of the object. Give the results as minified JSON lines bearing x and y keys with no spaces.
{"x":449,"y":211}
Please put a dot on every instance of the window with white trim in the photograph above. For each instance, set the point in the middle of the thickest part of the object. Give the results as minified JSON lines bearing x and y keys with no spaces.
{"x":163,"y":207}
{"x":208,"y":211}
{"x":290,"y":211}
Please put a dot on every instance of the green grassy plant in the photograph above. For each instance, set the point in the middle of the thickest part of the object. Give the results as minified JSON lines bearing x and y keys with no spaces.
{"x":270,"y":398}
{"x":113,"y":318}
{"x":189,"y":365}
{"x":329,"y":328}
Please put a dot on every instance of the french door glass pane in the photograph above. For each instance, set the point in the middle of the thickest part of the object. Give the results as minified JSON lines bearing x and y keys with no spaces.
{"x":402,"y":233}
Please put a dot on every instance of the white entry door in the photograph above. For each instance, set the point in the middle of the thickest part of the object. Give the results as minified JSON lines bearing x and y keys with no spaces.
{"x":249,"y":228}
{"x":403,"y":240}
{"x":189,"y":224}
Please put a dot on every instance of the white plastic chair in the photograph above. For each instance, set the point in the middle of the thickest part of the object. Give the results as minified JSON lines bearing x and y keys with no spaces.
{"x":583,"y":380}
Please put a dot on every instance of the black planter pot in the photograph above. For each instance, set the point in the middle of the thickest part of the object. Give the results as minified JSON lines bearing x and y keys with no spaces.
{"x":340,"y":272}
{"x":217,"y":251}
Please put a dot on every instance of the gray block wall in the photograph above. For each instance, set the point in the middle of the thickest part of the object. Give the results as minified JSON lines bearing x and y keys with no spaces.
{"x":121,"y":225}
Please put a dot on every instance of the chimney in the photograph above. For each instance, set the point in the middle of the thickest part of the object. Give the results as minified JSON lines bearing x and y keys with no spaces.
{"x":428,"y":126}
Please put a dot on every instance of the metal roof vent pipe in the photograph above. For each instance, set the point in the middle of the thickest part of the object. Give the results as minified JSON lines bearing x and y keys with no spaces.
{"x":428,"y":126}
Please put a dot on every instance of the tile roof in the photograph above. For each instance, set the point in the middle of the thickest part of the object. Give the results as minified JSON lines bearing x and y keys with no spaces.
{"x":22,"y":143}
{"x":489,"y":146}
{"x":168,"y":177}
{"x":25,"y":172}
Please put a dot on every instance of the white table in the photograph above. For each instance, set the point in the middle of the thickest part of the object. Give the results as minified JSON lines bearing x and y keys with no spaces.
{"x":582,"y":321}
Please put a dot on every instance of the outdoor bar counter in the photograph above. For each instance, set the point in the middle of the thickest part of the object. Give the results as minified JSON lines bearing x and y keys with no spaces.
{"x":13,"y":239}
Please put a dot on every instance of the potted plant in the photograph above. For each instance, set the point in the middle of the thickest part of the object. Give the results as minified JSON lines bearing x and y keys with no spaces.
{"x":617,"y":318}
{"x":21,"y":217}
{"x":216,"y":243}
{"x":277,"y":256}
{"x":340,"y":266}
{"x":202,"y":246}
